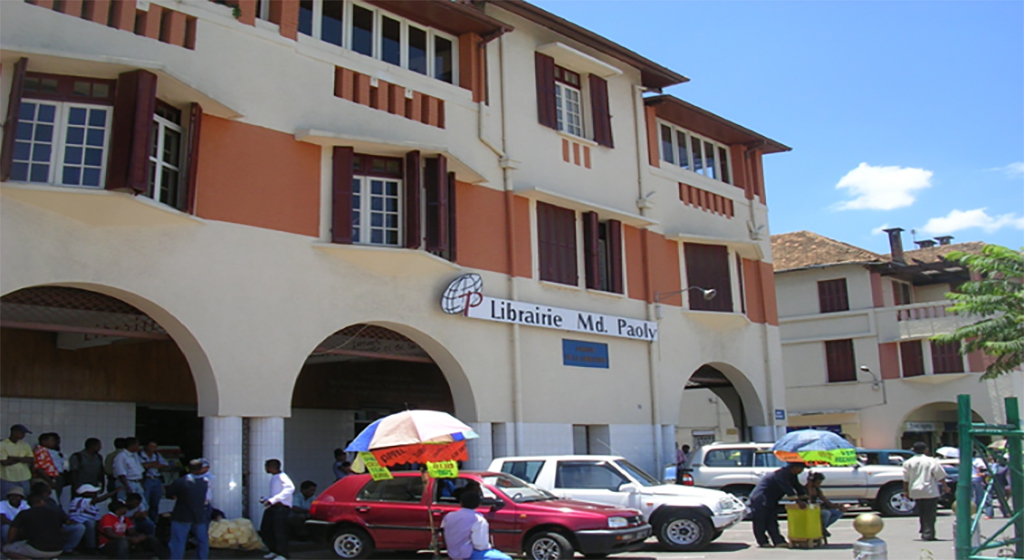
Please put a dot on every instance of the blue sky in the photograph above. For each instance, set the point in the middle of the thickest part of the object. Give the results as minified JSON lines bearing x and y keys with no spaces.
{"x":907,"y":114}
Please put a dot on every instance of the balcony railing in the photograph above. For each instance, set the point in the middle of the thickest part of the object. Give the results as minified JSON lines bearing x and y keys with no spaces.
{"x":918,"y":311}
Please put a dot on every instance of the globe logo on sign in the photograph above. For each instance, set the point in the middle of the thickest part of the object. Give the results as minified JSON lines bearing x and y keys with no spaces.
{"x":463,"y":293}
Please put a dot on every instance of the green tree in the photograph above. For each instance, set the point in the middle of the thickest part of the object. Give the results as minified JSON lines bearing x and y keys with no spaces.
{"x":998,"y":299}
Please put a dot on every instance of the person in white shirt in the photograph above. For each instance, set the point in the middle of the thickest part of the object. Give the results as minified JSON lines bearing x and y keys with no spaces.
{"x":13,"y":504}
{"x":467,"y":533}
{"x":979,"y":480}
{"x":128,"y":471}
{"x":923,"y":481}
{"x":84,"y":509}
{"x":153,"y":478}
{"x":276,"y":507}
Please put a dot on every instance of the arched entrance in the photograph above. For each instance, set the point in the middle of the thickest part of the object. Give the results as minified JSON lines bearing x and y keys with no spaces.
{"x":718,"y":404}
{"x":88,"y":364}
{"x":935,"y":424}
{"x":353,"y":377}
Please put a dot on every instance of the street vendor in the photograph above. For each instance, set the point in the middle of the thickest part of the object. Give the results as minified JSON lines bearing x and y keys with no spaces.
{"x":830,"y":512}
{"x":764,"y":502}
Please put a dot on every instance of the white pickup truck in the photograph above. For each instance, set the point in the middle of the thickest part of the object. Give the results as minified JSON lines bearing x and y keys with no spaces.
{"x":683,"y":518}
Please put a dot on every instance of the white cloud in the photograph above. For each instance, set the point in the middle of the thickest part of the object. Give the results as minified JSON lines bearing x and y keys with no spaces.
{"x":882,"y":188}
{"x":966,"y":219}
{"x":880,"y":229}
{"x":1014,"y":170}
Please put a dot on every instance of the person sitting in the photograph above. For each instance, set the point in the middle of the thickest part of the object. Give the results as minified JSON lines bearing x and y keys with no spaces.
{"x":9,"y":509}
{"x":37,"y":531}
{"x":301,"y":504}
{"x":466,"y":532}
{"x":830,"y":512}
{"x":118,"y":535}
{"x":73,"y":531}
{"x":84,"y":510}
{"x":139,"y":517}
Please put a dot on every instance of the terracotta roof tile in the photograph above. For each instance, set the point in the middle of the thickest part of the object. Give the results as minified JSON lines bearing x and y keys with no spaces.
{"x":933,"y":254}
{"x":805,"y":249}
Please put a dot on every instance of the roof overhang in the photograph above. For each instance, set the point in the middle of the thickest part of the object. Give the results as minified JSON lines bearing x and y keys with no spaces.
{"x":573,"y":203}
{"x":652,"y":75}
{"x":829,"y":265}
{"x":447,"y":15}
{"x":749,"y":249}
{"x":706,"y":123}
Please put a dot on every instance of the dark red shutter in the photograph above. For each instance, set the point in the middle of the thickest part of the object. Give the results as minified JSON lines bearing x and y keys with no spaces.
{"x":452,"y":221}
{"x":946,"y":358}
{"x":832,"y":296}
{"x":707,"y":267}
{"x":591,"y":253}
{"x":341,"y":187}
{"x":912,"y":358}
{"x":840,"y":361}
{"x":556,"y":244}
{"x":134,"y":104}
{"x":436,"y":186}
{"x":11,"y":124}
{"x":546,"y":113}
{"x":602,"y":114}
{"x":195,"y":120}
{"x":413,"y":234}
{"x":615,"y":255}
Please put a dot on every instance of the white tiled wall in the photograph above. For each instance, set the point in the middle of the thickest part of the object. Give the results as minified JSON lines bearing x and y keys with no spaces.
{"x":502,"y":438}
{"x":547,"y":439}
{"x":310,"y":437}
{"x":636,"y":443}
{"x":480,"y":448}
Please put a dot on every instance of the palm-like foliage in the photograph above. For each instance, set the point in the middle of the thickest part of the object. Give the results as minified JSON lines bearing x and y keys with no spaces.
{"x":998,"y":298}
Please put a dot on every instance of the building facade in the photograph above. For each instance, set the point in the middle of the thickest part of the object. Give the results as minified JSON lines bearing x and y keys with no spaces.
{"x":856,"y":330}
{"x":249,"y":228}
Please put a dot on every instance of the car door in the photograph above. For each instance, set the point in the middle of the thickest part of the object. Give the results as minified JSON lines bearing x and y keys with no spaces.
{"x":395,"y":513}
{"x":591,"y":481}
{"x":842,"y":483}
{"x":501,"y":520}
{"x":728,"y":466}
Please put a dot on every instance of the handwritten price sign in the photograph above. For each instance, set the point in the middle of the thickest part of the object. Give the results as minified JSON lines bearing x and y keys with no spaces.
{"x":377,"y":472}
{"x":443,"y":469}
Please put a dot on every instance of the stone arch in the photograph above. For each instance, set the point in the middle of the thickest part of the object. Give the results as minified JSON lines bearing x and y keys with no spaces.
{"x":733,"y":388}
{"x":935,"y":412}
{"x":207,"y":390}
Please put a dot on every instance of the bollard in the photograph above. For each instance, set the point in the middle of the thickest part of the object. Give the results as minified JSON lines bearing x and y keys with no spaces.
{"x":868,"y":547}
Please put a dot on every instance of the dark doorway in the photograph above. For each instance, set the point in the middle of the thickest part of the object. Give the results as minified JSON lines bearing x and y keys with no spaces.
{"x":171,"y":427}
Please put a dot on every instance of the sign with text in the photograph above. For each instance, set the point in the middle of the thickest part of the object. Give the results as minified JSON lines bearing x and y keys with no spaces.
{"x":443,"y":469}
{"x":921,"y":427}
{"x":780,"y":414}
{"x":464,"y":296}
{"x":584,"y":354}
{"x":376,"y":470}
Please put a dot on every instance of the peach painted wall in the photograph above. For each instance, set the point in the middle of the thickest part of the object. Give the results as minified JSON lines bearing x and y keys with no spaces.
{"x":663,"y":264}
{"x":889,"y":360}
{"x":482,"y":230}
{"x":259,"y":177}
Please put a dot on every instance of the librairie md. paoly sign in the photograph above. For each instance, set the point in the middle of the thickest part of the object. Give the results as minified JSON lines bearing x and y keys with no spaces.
{"x":464,"y":296}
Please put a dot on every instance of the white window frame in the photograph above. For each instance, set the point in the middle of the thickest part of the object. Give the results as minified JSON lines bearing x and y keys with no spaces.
{"x":676,"y":130}
{"x":562,"y":111}
{"x":59,"y":140}
{"x":365,"y":226}
{"x":157,"y":164}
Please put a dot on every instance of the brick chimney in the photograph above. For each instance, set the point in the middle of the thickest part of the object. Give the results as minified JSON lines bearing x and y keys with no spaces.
{"x":944,"y":239}
{"x":896,"y":244}
{"x":925,"y":243}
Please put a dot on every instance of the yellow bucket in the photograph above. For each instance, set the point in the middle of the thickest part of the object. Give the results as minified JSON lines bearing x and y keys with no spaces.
{"x":804,"y":523}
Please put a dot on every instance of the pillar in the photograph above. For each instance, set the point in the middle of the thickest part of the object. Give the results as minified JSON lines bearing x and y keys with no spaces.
{"x":222,"y":447}
{"x":266,"y":441}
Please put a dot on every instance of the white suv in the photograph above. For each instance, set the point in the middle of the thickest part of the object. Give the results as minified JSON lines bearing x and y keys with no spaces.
{"x":683,"y":518}
{"x":736,"y":468}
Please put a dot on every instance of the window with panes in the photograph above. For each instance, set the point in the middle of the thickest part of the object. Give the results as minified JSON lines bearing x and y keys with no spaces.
{"x":902,"y":293}
{"x":840,"y":361}
{"x":832,"y":296}
{"x":568,"y":101}
{"x":165,"y":155}
{"x":686,"y":150}
{"x":377,"y":200}
{"x":602,"y":253}
{"x":63,"y":132}
{"x":376,"y":33}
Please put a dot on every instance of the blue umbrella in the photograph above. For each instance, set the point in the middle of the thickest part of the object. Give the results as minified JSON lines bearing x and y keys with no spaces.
{"x":815,"y":446}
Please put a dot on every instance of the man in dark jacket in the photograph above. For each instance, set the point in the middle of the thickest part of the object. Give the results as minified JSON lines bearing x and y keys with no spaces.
{"x":764,"y":502}
{"x":36,"y":532}
{"x":190,"y":512}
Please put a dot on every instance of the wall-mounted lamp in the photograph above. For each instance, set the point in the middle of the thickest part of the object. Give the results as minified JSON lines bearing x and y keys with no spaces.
{"x":707,"y":293}
{"x":876,"y":383}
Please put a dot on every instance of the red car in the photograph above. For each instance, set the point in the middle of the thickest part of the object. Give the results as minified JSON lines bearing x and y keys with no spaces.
{"x":360,"y":515}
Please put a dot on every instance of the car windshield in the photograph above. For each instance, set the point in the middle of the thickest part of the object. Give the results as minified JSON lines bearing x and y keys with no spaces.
{"x":517,"y":490}
{"x":636,"y":473}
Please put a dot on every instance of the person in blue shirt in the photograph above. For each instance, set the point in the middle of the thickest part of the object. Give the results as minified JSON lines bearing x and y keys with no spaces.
{"x":191,"y":514}
{"x":764,"y":502}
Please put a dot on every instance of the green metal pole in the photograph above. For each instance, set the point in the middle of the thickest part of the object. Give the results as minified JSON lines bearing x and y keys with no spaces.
{"x":1013,"y":445}
{"x":963,"y":487}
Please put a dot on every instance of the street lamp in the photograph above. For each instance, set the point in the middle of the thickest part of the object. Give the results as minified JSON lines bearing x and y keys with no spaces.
{"x":707,"y":293}
{"x":876,"y":383}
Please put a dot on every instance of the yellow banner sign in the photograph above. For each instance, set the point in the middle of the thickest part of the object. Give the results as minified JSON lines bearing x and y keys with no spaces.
{"x":377,"y":472}
{"x":443,"y":469}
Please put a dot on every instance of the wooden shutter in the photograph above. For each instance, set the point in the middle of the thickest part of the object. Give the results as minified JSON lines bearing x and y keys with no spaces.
{"x":413,"y":233}
{"x":707,"y":267}
{"x":615,"y":255}
{"x":341,"y":187}
{"x":452,"y":215}
{"x":946,"y":358}
{"x":556,"y":244}
{"x":840,"y":361}
{"x":436,"y":186}
{"x":912,"y":358}
{"x":546,"y":114}
{"x":601,"y":112}
{"x":11,"y":124}
{"x":134,"y":104}
{"x":832,"y":296}
{"x":195,"y":120}
{"x":591,"y":253}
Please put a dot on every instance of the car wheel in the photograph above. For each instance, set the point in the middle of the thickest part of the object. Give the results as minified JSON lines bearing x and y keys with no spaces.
{"x":352,"y":542}
{"x":685,"y":530}
{"x":892,"y":502}
{"x":548,"y":546}
{"x":741,"y":493}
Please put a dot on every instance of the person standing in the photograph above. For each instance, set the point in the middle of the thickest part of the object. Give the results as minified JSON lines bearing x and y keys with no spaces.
{"x":190,"y":513}
{"x":467,"y":533}
{"x":49,"y":463}
{"x":276,"y":508}
{"x":16,"y":460}
{"x":85,"y":467}
{"x":979,"y":481}
{"x":923,"y":481}
{"x":128,"y":470}
{"x":764,"y":502}
{"x":153,"y":478}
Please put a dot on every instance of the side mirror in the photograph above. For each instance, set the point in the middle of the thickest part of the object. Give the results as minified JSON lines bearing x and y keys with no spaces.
{"x":629,"y":488}
{"x":493,"y":503}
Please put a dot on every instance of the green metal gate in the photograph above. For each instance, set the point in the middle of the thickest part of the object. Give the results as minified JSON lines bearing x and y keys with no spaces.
{"x":970,"y":543}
